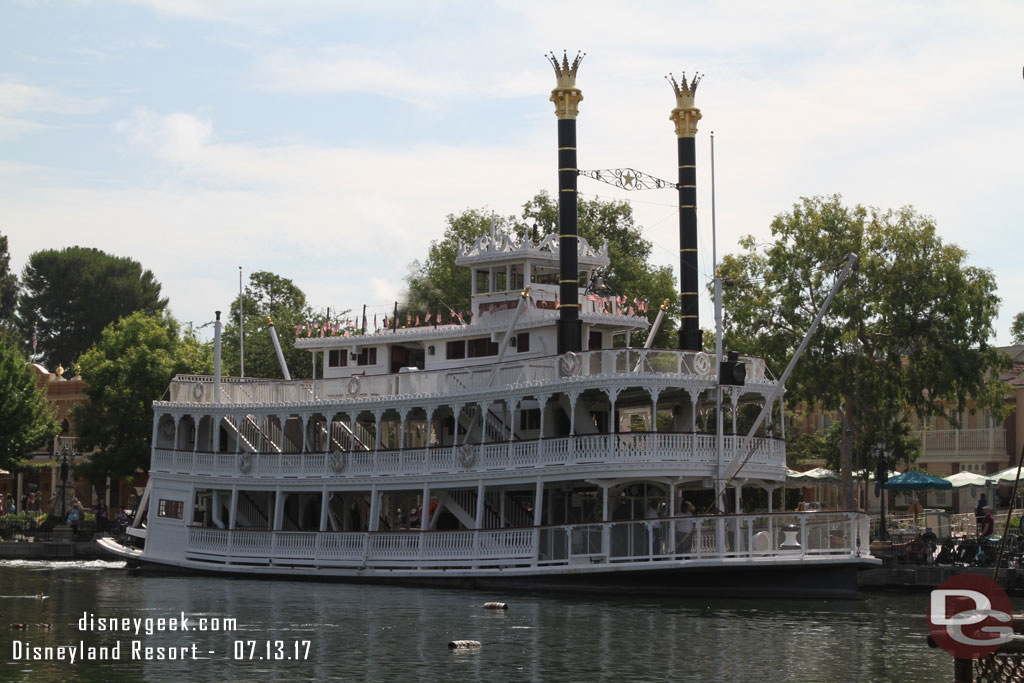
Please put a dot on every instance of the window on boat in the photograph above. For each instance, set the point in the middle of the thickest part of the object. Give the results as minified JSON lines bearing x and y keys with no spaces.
{"x":483,"y":282}
{"x":173,"y":509}
{"x":522,"y":341}
{"x":367,"y":356}
{"x":477,"y":348}
{"x":455,"y":350}
{"x":337,"y":358}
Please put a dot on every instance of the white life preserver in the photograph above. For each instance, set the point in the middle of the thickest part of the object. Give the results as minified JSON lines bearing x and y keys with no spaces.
{"x":467,"y":455}
{"x":570,"y":364}
{"x":197,"y":391}
{"x":702,"y":363}
{"x":353,"y":386}
{"x":245,"y":463}
{"x":336,"y":461}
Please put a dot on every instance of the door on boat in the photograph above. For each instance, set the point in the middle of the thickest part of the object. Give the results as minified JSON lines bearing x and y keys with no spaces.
{"x":405,"y":357}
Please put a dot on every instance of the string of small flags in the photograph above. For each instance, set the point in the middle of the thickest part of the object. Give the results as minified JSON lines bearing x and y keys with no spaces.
{"x":351,"y":326}
{"x":609,"y":305}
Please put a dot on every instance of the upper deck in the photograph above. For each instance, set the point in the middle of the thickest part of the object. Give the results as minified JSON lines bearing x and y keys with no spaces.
{"x":622,"y":367}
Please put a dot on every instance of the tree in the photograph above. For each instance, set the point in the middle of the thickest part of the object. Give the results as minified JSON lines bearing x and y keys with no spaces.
{"x":131,"y":366}
{"x":8,"y":286}
{"x":437,"y":283}
{"x":908,"y":335}
{"x":276,"y":297}
{"x":26,"y":420}
{"x":1017,"y":328}
{"x":71,"y":295}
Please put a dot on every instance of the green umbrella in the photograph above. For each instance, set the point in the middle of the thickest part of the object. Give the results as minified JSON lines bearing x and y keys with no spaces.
{"x":916,"y":481}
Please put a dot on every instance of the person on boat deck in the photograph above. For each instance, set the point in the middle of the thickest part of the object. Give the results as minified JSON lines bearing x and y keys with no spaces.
{"x":988,"y":523}
{"x":122,"y":520}
{"x":685,"y":528}
{"x":418,"y":516}
{"x":652,"y":513}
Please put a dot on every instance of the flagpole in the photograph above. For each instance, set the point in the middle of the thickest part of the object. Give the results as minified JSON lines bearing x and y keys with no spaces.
{"x":241,"y":325}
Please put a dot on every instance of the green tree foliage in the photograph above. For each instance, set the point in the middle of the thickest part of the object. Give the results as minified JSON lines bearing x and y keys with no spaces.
{"x":276,"y":297}
{"x":26,"y":420}
{"x":437,"y":283}
{"x":8,"y":286}
{"x":1017,"y":328}
{"x":125,"y":371}
{"x":74,"y":293}
{"x":908,"y":335}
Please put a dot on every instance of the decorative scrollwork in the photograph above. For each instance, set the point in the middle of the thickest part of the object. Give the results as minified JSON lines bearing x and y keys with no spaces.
{"x":570,"y":364}
{"x":197,"y":391}
{"x":702,"y":363}
{"x":467,"y":455}
{"x":245,"y":463}
{"x":353,"y":386}
{"x":336,"y":461}
{"x":628,"y":179}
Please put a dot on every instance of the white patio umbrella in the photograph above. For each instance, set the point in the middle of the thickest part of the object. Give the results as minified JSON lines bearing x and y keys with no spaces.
{"x":968,"y":479}
{"x":1006,"y":476}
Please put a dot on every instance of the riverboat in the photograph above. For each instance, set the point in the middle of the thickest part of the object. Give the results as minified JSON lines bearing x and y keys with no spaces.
{"x":533,"y":446}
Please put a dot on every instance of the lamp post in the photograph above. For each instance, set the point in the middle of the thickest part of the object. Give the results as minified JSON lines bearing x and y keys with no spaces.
{"x":63,"y":482}
{"x":881,"y":477}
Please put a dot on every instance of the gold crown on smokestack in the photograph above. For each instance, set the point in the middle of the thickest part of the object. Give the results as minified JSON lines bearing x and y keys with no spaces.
{"x":566,"y":95}
{"x":685,"y":115}
{"x":565,"y":72}
{"x":684,"y":91}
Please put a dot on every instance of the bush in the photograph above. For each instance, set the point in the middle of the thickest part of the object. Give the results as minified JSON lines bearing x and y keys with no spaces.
{"x":21,"y":522}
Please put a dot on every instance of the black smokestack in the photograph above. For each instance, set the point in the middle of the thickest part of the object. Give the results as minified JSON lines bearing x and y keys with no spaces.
{"x":685,"y":116}
{"x":567,"y":97}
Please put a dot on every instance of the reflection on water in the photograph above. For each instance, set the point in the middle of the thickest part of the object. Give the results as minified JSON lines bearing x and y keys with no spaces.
{"x":384,"y":633}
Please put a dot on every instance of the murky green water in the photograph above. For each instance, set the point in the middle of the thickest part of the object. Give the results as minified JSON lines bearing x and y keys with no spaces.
{"x":325,"y":631}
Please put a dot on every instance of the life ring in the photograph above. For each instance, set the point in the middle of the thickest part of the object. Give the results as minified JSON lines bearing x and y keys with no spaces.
{"x":702,"y":363}
{"x":570,"y":363}
{"x":197,"y":391}
{"x":467,"y":455}
{"x":336,"y":461}
{"x":245,"y":463}
{"x":353,"y":386}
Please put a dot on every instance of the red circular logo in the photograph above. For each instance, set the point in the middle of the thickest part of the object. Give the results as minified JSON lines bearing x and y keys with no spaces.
{"x":969,"y":616}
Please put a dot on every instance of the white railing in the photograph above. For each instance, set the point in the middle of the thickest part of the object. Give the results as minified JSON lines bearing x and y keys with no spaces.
{"x":694,"y":453}
{"x":608,"y":362}
{"x":962,"y":441}
{"x":781,"y":536}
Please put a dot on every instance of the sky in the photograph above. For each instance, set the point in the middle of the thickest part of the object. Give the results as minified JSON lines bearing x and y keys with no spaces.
{"x":326,"y":141}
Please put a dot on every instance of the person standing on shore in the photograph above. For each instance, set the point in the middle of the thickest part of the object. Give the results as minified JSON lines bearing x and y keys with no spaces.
{"x":101,"y":516}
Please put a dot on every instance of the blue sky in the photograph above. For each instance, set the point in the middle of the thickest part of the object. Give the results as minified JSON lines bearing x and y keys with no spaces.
{"x":326,"y":141}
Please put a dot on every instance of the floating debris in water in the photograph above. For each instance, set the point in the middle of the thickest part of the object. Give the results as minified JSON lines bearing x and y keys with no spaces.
{"x":495,"y":605}
{"x":464,"y":645}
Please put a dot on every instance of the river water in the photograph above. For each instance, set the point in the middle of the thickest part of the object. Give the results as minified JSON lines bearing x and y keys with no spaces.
{"x":299,"y":630}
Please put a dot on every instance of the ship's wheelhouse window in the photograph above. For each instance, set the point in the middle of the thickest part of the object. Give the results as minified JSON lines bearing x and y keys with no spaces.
{"x":337,"y":358}
{"x":522,"y":342}
{"x":367,"y":356}
{"x":477,"y":348}
{"x":455,"y":350}
{"x":173,"y":509}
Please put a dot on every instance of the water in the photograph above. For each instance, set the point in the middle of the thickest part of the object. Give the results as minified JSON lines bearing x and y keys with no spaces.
{"x":401,"y":634}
